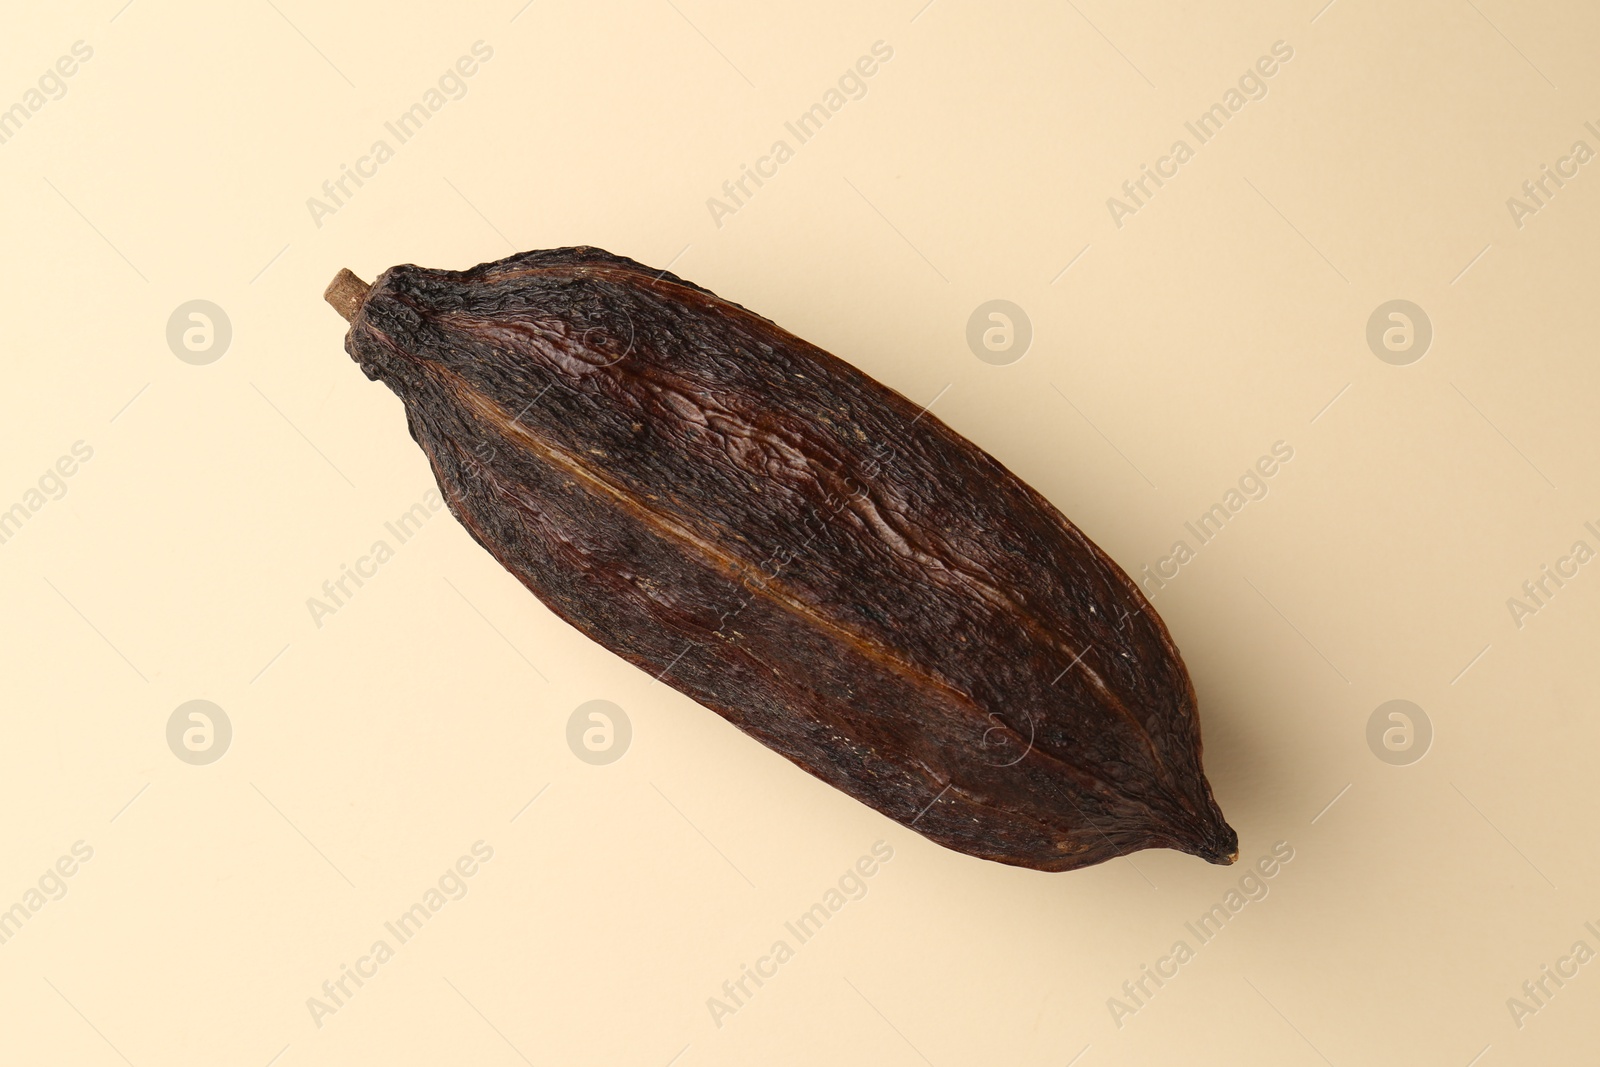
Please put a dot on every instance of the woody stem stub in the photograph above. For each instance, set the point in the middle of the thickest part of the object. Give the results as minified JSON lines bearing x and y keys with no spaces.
{"x":346,"y":293}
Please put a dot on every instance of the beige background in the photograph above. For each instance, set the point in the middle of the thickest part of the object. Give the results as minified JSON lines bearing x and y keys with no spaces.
{"x":1227,"y":314}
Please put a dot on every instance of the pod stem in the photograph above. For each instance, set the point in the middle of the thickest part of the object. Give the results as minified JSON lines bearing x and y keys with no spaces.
{"x":346,"y":293}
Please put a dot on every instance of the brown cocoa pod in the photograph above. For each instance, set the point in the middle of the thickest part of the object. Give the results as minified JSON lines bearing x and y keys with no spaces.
{"x":800,"y":549}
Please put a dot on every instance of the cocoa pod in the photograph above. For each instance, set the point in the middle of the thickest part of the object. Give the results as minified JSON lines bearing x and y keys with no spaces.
{"x":798,"y":548}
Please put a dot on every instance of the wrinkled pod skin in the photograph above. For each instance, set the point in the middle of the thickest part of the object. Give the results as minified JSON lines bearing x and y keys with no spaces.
{"x":800,"y":549}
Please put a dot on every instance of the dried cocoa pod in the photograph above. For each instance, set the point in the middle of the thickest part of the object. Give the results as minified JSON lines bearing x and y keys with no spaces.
{"x":799,"y":548}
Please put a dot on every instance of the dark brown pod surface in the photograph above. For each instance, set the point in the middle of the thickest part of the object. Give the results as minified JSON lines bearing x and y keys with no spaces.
{"x":799,"y":548}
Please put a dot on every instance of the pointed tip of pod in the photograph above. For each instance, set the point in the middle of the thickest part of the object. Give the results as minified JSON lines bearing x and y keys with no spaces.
{"x":346,"y":293}
{"x":1219,"y":845}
